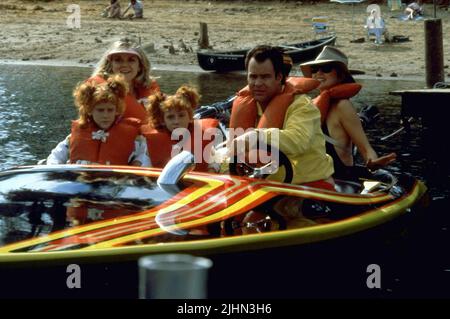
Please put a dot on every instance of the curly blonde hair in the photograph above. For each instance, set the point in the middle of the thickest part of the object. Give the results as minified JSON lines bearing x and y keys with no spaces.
{"x":104,"y":68}
{"x":88,"y":94}
{"x":186,"y":98}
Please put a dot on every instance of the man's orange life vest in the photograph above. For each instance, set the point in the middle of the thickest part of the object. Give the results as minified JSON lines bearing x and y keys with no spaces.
{"x":134,"y":108}
{"x":93,"y":145}
{"x":160,"y":144}
{"x":338,"y":92}
{"x":244,"y":112}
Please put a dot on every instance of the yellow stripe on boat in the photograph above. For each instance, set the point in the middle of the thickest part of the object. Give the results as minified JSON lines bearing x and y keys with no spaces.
{"x":314,"y":233}
{"x":222,"y":214}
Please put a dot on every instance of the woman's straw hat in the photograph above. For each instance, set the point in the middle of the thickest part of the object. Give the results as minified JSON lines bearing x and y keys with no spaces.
{"x":333,"y":55}
{"x":124,"y":46}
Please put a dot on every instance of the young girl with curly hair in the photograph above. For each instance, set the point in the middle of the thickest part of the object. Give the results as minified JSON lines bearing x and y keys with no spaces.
{"x":172,"y":128}
{"x":102,"y":135}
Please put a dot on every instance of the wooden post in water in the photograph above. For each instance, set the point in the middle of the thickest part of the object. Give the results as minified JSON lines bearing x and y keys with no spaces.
{"x":434,"y":55}
{"x":203,"y":42}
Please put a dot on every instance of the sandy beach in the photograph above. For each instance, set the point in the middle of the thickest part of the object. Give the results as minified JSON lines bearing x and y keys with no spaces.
{"x":37,"y":31}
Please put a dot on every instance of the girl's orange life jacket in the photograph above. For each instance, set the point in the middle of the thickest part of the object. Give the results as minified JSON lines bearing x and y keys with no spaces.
{"x":160,"y":144}
{"x":244,"y":112}
{"x":134,"y":108}
{"x":338,"y":92}
{"x":114,"y":150}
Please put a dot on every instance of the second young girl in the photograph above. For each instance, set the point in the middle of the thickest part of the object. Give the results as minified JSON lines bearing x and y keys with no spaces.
{"x":172,"y":127}
{"x":101,"y":135}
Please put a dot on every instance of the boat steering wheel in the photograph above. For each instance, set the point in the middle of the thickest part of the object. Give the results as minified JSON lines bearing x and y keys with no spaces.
{"x":242,"y":168}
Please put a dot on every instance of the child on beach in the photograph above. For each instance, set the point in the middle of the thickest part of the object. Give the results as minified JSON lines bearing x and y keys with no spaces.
{"x":126,"y":58}
{"x":113,"y":10}
{"x":172,"y":127}
{"x":375,"y":25}
{"x":101,"y":135}
{"x":138,"y":10}
{"x":413,"y":10}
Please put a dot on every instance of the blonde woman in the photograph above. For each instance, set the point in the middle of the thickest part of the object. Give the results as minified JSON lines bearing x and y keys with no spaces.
{"x":126,"y":58}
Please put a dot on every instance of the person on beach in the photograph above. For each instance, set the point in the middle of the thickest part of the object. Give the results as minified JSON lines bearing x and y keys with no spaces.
{"x":127,"y":58}
{"x":271,"y":105}
{"x":113,"y":10}
{"x":339,"y":120}
{"x":173,"y":128}
{"x":101,"y":135}
{"x":138,"y":9}
{"x":375,"y":25}
{"x":413,"y":10}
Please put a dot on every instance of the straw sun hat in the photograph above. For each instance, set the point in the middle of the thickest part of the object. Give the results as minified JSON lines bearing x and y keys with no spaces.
{"x":329,"y":54}
{"x":124,"y":46}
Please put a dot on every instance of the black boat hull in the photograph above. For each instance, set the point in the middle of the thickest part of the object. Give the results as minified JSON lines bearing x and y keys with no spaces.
{"x":229,"y":61}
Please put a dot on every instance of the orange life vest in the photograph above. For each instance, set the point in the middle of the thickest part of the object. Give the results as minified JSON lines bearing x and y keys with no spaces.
{"x":133,"y":107}
{"x":244,"y":111}
{"x":338,"y":92}
{"x":160,"y":144}
{"x":114,"y":150}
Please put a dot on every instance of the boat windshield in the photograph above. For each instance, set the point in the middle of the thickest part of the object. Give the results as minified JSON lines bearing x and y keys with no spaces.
{"x":34,"y":203}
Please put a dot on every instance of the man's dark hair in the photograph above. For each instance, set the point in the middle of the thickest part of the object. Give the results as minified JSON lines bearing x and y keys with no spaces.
{"x":263,"y":52}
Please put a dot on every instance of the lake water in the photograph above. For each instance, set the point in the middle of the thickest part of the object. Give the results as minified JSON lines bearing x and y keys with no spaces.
{"x":36,"y":107}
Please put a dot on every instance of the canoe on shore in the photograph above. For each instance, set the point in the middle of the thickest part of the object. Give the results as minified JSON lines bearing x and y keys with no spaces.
{"x":227,"y":61}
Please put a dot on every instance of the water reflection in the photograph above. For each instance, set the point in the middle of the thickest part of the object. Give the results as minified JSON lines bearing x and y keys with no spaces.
{"x":33,"y":117}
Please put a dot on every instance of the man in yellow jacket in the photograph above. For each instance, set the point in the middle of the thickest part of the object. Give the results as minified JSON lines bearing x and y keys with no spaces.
{"x":275,"y":107}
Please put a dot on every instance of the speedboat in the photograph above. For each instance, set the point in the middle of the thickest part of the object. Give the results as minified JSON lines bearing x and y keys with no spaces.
{"x":88,"y":212}
{"x":82,"y":212}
